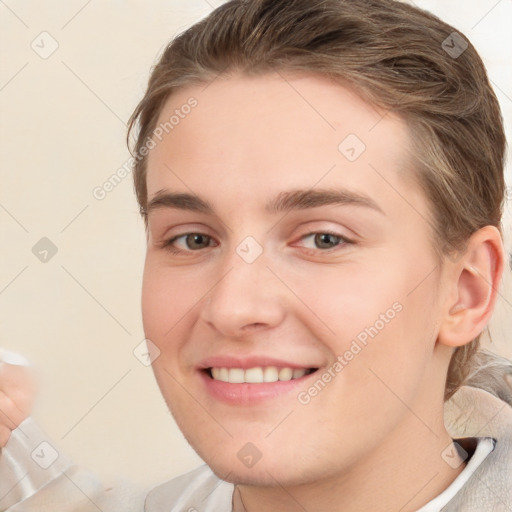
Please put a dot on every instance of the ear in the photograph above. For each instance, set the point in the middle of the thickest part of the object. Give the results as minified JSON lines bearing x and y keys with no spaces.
{"x":475,"y":280}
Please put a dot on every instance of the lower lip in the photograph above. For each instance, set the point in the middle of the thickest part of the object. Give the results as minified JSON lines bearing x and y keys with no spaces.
{"x":248,"y":393}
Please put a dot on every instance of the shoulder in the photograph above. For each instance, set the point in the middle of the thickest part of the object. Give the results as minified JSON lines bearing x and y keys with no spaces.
{"x":199,"y":489}
{"x":473,"y":412}
{"x":477,"y":413}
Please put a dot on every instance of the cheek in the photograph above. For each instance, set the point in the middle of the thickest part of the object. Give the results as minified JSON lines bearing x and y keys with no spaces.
{"x":374,"y":315}
{"x":166,"y":295}
{"x":166,"y":305}
{"x":344,"y":301}
{"x":396,"y":331}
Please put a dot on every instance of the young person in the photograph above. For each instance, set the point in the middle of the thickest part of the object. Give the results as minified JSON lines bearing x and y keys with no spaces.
{"x":322,"y":185}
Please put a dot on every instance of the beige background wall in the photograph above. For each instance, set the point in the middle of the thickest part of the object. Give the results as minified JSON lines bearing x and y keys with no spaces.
{"x":76,"y":316}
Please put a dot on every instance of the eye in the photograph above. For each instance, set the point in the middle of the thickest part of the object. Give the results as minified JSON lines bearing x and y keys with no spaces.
{"x":325,"y":240}
{"x":193,"y":242}
{"x":189,"y":242}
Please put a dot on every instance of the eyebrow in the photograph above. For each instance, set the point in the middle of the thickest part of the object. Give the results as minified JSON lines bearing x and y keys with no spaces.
{"x":283,"y":202}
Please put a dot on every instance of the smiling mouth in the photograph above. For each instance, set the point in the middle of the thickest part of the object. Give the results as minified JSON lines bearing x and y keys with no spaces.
{"x":257,"y":374}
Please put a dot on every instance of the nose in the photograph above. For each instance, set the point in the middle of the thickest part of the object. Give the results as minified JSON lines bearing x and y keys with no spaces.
{"x":246,"y":298}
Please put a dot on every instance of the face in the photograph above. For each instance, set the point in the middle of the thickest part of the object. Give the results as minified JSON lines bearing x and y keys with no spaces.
{"x":290,"y":282}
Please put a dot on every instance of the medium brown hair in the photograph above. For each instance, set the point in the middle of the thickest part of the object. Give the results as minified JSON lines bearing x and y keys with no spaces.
{"x":397,"y":57}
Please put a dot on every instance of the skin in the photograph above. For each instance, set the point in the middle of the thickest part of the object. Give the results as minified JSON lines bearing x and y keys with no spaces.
{"x":18,"y":386}
{"x":372,"y":438}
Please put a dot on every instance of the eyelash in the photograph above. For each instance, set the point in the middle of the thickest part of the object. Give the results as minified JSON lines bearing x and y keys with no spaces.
{"x":168,"y":244}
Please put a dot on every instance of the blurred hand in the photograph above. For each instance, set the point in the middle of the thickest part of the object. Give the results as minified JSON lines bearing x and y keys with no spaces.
{"x":17,"y":392}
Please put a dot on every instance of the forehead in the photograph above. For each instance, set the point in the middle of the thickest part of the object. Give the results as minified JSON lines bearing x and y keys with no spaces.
{"x":272,"y":132}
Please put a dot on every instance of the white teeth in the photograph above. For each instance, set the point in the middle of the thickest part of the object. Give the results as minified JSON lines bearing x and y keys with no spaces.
{"x":299,"y":372}
{"x":270,"y":374}
{"x":257,"y":375}
{"x":285,"y":374}
{"x":224,"y":374}
{"x":236,"y":375}
{"x":254,"y":375}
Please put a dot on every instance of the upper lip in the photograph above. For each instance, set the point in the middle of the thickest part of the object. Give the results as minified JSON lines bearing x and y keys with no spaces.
{"x":250,"y":362}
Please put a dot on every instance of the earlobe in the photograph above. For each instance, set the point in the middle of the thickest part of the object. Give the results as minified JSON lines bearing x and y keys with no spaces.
{"x":476,"y":279}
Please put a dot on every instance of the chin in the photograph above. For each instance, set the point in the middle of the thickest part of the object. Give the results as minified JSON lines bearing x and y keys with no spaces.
{"x":251,"y":477}
{"x":273,"y":469}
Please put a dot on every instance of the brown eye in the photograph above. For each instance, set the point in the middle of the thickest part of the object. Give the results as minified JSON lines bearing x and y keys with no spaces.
{"x":188,"y":242}
{"x":193,"y":240}
{"x":326,"y":240}
{"x":323,"y":240}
